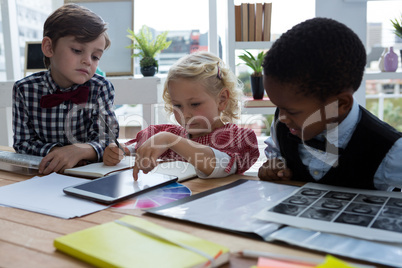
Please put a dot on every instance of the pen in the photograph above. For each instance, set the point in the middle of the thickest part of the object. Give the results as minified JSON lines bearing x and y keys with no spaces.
{"x":296,"y":259}
{"x":112,"y":134}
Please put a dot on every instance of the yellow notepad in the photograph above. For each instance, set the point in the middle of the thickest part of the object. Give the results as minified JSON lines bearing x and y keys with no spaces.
{"x":115,"y":244}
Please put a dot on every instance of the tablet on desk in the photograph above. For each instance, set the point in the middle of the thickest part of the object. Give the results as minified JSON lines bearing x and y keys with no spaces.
{"x":118,"y":186}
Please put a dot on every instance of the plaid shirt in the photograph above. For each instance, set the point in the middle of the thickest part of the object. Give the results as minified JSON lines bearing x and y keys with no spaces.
{"x":37,"y":130}
{"x":239,"y":143}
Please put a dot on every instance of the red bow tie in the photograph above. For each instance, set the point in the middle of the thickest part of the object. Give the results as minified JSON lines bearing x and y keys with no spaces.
{"x":80,"y":95}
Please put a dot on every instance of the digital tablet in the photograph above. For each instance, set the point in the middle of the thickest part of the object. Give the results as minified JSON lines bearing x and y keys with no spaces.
{"x":118,"y":186}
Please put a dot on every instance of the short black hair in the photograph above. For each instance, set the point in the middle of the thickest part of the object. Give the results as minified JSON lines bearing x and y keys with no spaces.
{"x":321,"y":57}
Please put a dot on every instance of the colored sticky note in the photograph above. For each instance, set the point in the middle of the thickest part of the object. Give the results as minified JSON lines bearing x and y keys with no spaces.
{"x":271,"y":263}
{"x":332,"y":262}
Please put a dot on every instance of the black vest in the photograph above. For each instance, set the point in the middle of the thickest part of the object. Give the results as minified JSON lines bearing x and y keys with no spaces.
{"x":357,"y":164}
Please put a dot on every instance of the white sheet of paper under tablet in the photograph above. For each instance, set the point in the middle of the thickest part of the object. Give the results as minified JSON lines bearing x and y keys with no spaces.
{"x":45,"y":195}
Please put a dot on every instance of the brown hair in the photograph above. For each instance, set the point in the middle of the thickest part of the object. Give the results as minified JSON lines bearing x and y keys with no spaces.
{"x":74,"y":20}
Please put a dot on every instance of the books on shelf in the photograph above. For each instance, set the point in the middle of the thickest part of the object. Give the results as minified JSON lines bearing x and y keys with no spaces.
{"x":183,"y":170}
{"x":267,"y":21}
{"x":258,"y":21}
{"x":253,"y":22}
{"x":135,"y":241}
{"x":238,"y":23}
{"x":265,"y":102}
{"x":244,"y":22}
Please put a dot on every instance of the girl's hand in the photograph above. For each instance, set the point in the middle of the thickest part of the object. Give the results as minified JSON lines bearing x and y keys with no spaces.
{"x":273,"y":170}
{"x":147,"y":154}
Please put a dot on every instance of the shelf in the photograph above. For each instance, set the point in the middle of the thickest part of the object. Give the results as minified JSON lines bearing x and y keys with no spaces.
{"x":382,"y":75}
{"x":253,"y":45}
{"x":258,"y":110}
{"x":130,"y":90}
{"x":232,"y":45}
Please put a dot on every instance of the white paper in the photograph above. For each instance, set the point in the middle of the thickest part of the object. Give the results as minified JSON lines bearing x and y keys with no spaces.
{"x":233,"y":208}
{"x":45,"y":195}
{"x":366,"y":214}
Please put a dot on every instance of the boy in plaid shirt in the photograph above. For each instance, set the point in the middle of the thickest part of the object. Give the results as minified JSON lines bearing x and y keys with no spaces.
{"x":56,"y":112}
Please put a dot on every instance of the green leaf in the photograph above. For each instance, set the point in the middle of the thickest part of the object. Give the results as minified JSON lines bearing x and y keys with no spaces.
{"x":397,"y":27}
{"x":146,"y":44}
{"x":255,"y":63}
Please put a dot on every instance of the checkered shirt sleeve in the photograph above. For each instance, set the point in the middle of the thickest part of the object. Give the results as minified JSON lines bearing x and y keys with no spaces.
{"x":37,"y":130}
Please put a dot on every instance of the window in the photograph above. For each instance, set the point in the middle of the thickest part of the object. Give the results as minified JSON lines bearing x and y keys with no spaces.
{"x":30,"y":18}
{"x":380,"y":31}
{"x":186,"y":20}
{"x":383,"y":96}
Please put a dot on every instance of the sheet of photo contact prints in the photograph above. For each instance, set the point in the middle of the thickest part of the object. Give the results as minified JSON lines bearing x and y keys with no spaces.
{"x":367,"y":214}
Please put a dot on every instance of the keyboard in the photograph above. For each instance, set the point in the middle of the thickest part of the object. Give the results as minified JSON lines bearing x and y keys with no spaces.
{"x":21,"y":160}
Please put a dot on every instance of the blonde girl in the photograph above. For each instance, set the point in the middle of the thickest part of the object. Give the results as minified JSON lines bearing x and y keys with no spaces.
{"x":203,"y":95}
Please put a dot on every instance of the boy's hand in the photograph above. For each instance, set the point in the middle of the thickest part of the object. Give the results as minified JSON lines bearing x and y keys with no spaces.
{"x":113,"y":154}
{"x":273,"y":170}
{"x":61,"y":158}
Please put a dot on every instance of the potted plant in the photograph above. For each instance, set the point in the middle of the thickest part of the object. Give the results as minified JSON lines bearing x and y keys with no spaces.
{"x":397,"y":29}
{"x":148,"y":48}
{"x":255,"y":63}
{"x":149,"y":66}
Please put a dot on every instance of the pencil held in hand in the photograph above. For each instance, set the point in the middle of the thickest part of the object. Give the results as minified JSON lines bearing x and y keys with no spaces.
{"x":113,"y":155}
{"x":111,"y":133}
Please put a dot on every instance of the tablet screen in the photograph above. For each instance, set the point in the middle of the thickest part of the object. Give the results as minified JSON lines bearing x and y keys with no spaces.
{"x":119,"y":185}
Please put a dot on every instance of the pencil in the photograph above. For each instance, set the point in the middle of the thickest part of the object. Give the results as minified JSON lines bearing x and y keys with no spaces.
{"x":112,"y":134}
{"x":282,"y":257}
{"x":295,"y":259}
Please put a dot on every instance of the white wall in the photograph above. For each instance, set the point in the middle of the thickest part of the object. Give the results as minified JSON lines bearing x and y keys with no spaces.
{"x":352,"y":13}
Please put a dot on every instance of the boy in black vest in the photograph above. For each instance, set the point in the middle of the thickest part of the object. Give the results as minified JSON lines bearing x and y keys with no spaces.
{"x":320,"y":133}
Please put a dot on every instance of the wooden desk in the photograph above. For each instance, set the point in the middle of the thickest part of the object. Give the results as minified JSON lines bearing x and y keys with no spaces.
{"x":26,"y":238}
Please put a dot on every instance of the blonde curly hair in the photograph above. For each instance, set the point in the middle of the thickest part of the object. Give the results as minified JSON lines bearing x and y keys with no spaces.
{"x":212,"y":72}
